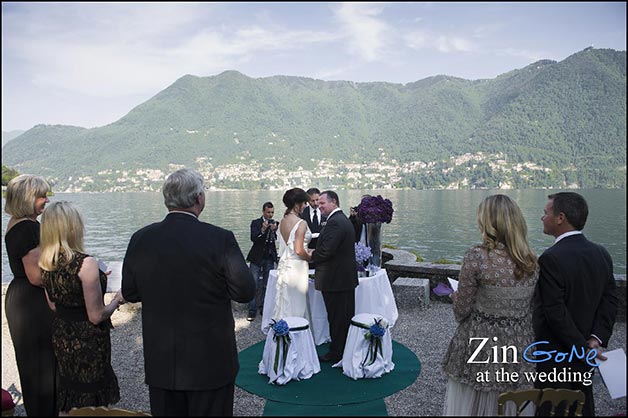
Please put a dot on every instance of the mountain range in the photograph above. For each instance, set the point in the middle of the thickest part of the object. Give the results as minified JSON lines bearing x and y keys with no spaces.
{"x":550,"y":124}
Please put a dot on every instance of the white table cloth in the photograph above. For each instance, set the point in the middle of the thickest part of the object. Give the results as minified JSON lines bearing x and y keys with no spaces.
{"x":298,"y":363}
{"x":373,"y":295}
{"x":362,"y":358}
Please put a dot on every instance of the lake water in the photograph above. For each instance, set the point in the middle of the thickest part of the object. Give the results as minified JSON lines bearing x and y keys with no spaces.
{"x":433,"y":223}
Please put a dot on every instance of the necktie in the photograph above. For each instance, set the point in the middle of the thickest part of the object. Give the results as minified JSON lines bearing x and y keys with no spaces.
{"x":315,"y":220}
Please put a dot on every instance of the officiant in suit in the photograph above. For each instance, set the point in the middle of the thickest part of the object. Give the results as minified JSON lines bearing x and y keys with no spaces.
{"x":313,"y":216}
{"x":186,"y":273}
{"x":336,"y":273}
{"x":575,"y":302}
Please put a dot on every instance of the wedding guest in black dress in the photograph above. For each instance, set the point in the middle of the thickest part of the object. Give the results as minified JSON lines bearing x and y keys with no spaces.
{"x":80,"y":331}
{"x":28,"y":316}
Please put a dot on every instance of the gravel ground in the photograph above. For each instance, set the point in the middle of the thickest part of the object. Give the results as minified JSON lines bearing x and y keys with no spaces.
{"x":424,"y":331}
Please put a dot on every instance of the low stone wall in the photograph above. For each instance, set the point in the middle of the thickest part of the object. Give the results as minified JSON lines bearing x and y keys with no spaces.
{"x":403,"y":264}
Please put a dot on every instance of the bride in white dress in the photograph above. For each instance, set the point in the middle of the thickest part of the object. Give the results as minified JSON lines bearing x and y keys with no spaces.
{"x":292,"y":270}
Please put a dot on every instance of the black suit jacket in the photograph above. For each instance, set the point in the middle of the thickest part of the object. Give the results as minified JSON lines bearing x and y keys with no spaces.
{"x":306,"y":214}
{"x":575,"y":295}
{"x":186,"y":272}
{"x":357,"y":226}
{"x":334,"y":256}
{"x":263,"y":243}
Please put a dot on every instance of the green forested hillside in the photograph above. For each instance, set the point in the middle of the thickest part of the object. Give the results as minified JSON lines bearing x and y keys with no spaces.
{"x":7,"y":136}
{"x":550,"y":124}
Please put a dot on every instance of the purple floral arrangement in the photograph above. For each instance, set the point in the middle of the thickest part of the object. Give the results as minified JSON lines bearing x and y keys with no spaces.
{"x":373,"y":209}
{"x":362,"y":252}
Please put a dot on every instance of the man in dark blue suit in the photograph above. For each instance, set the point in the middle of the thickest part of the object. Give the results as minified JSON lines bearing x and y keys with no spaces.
{"x":575,"y":302}
{"x":186,"y":273}
{"x":262,"y":256}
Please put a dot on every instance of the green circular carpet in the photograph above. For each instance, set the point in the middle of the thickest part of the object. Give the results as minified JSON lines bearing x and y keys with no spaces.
{"x":329,"y":386}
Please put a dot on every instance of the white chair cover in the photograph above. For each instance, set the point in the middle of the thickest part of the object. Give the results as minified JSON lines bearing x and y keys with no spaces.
{"x":300,"y":361}
{"x":374,"y":295}
{"x":363,"y":358}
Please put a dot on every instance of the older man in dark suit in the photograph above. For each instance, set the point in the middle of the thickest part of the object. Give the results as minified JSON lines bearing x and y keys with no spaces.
{"x":575,"y":302}
{"x":336,"y":273}
{"x":186,"y":273}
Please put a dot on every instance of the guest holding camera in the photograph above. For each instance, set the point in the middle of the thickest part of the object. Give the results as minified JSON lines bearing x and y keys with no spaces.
{"x":358,"y":225}
{"x":262,"y":256}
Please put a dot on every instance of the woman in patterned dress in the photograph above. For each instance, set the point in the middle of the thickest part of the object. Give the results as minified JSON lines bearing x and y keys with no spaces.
{"x":493,"y":302}
{"x":80,"y":331}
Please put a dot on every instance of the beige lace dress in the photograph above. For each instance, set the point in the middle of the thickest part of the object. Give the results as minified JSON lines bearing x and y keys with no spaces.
{"x":491,"y":304}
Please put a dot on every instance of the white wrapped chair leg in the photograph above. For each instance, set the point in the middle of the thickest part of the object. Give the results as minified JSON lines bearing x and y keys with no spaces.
{"x":368,"y":350}
{"x":289,"y":352}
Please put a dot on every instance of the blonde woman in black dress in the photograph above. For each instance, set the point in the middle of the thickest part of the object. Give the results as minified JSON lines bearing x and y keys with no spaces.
{"x":28,"y":316}
{"x":80,"y":331}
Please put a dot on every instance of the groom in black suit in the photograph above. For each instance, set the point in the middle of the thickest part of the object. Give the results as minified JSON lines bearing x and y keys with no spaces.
{"x":336,"y":273}
{"x":575,"y":302}
{"x":186,"y":272}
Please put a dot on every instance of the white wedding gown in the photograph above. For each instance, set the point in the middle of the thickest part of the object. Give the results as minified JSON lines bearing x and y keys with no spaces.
{"x":292,"y":279}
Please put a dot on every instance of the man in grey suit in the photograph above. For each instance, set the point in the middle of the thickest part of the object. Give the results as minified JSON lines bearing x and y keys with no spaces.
{"x":575,"y":302}
{"x":186,"y":273}
{"x":336,"y":272}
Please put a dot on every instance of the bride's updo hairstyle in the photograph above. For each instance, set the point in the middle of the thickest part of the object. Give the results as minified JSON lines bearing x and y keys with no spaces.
{"x":293,"y":197}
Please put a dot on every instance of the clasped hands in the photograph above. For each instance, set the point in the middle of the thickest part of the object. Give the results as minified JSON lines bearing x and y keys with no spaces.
{"x":593,"y":343}
{"x":119,"y":298}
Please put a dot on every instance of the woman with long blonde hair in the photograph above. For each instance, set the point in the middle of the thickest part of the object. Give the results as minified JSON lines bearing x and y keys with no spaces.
{"x":28,"y":316}
{"x":75,"y":289}
{"x":493,"y":305}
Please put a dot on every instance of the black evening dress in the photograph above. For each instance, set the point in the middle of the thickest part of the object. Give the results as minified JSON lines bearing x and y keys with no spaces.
{"x":30,"y":325}
{"x":83,"y":349}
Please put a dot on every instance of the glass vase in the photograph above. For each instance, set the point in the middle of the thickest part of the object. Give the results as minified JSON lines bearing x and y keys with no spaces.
{"x":374,"y":238}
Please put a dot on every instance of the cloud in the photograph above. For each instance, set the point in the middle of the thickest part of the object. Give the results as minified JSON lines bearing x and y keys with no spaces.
{"x":443,"y":43}
{"x":368,"y":35}
{"x":118,"y":49}
{"x":417,"y":39}
{"x":454,"y":44}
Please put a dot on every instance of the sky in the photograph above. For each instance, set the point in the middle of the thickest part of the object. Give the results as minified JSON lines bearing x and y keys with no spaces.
{"x":89,"y":64}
